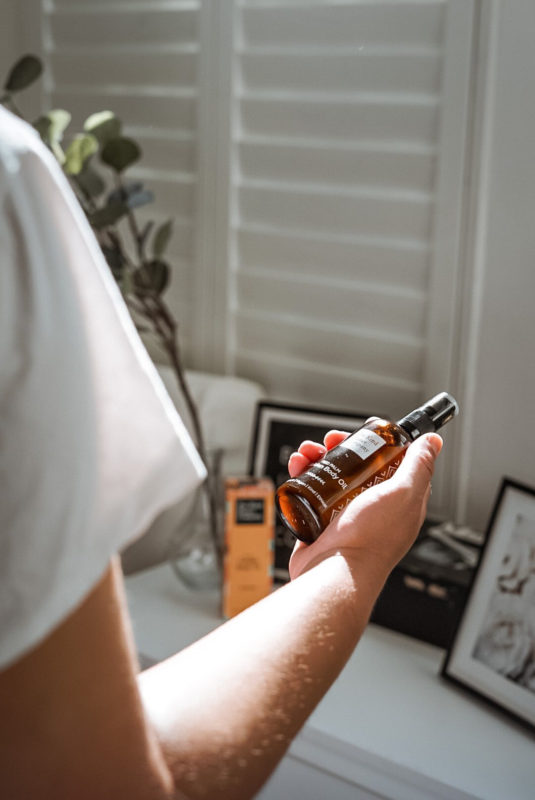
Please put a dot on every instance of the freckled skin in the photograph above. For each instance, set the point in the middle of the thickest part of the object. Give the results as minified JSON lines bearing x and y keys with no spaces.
{"x":214,"y":720}
{"x":293,"y":644}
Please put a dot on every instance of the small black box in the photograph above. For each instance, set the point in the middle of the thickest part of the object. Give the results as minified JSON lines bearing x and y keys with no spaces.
{"x":425,"y":594}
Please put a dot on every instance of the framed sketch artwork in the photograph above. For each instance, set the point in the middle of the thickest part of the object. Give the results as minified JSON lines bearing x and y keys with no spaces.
{"x":279,"y":430}
{"x":493,"y":651}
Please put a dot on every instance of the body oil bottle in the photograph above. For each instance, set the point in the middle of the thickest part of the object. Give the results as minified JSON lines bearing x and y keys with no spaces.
{"x":370,"y":455}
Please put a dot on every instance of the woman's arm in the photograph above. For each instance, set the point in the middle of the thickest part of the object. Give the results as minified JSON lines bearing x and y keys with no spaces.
{"x":214,"y":720}
{"x":226,"y":708}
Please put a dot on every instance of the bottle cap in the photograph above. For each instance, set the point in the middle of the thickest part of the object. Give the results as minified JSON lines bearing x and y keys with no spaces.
{"x":431,"y":416}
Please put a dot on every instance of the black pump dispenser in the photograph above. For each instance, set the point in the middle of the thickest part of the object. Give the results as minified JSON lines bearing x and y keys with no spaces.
{"x":431,"y":416}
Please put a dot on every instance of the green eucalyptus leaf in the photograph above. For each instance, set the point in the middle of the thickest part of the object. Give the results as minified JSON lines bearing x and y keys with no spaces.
{"x":103,"y":125}
{"x":152,"y":277}
{"x":59,"y":120}
{"x":90,"y":181}
{"x":161,"y":238}
{"x":51,"y":126}
{"x":108,"y":215}
{"x":23,"y":73}
{"x":42,"y":126}
{"x":78,"y":152}
{"x":58,"y":152}
{"x":120,"y":153}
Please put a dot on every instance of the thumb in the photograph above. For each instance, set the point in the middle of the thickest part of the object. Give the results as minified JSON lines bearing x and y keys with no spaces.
{"x":416,"y":469}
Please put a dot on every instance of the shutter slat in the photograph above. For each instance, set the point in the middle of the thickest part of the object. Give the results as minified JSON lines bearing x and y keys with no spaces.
{"x":344,"y":25}
{"x":332,"y":345}
{"x":385,"y":261}
{"x":171,"y":70}
{"x":124,"y":26}
{"x":166,"y":153}
{"x":332,"y":72}
{"x":293,"y":116}
{"x":393,"y":311}
{"x":137,"y":110}
{"x":291,"y":380}
{"x":103,"y":7}
{"x":286,"y":208}
{"x":308,"y":162}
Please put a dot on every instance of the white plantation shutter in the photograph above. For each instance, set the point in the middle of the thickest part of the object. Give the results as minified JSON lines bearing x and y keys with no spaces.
{"x":311,"y":156}
{"x":141,"y":60}
{"x":311,"y":153}
{"x":348,"y":134}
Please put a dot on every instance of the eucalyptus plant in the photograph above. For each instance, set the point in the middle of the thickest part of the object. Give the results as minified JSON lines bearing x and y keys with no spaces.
{"x":95,"y":161}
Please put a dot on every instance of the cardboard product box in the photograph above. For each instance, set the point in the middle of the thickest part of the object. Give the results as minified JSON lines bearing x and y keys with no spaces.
{"x":249,"y":542}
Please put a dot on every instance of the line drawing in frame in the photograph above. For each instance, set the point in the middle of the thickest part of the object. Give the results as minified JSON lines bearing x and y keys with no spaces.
{"x":493,"y":650}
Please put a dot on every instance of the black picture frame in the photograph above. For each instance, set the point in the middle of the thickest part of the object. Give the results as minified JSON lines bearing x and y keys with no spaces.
{"x":278,"y":430}
{"x":492,"y":654}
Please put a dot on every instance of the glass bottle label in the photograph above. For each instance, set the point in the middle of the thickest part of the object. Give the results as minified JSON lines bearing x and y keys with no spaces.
{"x":364,"y":443}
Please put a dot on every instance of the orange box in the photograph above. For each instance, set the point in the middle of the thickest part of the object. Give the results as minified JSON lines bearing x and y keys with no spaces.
{"x":249,"y":542}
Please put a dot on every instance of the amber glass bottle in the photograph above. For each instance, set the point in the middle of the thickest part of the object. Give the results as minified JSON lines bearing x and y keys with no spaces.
{"x":370,"y":455}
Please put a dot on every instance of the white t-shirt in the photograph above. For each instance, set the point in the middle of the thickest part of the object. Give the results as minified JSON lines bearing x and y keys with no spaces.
{"x":91,"y":447}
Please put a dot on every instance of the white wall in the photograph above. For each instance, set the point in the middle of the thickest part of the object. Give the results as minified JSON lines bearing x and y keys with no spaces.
{"x":499,"y":431}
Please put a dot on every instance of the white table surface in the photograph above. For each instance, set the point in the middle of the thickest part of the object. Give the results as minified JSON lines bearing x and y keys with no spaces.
{"x":389,"y":713}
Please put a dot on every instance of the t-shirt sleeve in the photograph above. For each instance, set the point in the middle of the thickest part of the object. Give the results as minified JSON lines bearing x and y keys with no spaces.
{"x":91,"y":447}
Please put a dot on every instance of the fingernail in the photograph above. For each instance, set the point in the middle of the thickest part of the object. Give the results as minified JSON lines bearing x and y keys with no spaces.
{"x":435,"y":443}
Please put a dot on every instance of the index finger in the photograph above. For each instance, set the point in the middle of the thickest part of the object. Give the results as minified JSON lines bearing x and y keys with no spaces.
{"x":335,"y":437}
{"x":307,"y":453}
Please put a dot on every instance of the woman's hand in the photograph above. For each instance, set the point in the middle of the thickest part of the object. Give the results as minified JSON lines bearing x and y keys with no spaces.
{"x":381,"y":524}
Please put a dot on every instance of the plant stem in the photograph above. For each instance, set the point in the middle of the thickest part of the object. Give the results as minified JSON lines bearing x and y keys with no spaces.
{"x":157,"y":312}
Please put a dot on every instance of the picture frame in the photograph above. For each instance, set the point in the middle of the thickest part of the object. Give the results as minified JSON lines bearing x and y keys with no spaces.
{"x":492,"y":654}
{"x":278,"y":430}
